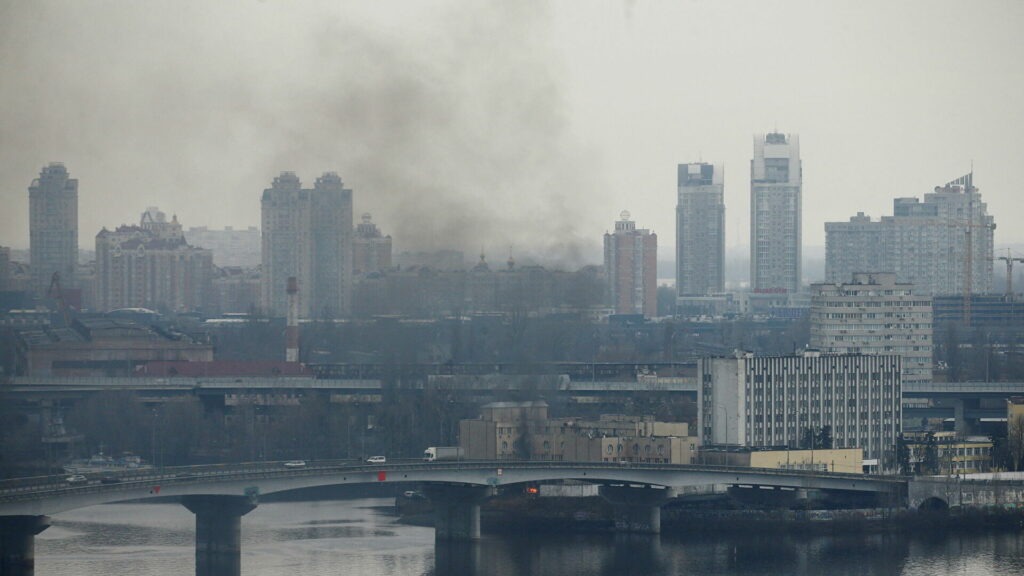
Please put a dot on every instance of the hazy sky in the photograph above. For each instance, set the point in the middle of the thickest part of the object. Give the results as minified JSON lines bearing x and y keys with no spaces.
{"x":531,"y":124}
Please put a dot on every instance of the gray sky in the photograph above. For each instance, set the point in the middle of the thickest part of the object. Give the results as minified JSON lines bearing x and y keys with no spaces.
{"x":531,"y":124}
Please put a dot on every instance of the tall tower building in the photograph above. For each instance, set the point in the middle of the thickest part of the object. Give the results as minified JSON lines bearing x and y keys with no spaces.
{"x":776,"y":184}
{"x":631,"y":263}
{"x":700,"y":230}
{"x":371,"y":250}
{"x":53,"y":227}
{"x":307,"y":234}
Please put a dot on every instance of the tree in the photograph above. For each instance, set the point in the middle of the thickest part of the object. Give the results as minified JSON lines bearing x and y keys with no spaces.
{"x":807,"y":439}
{"x":903,"y":456}
{"x":824,"y":438}
{"x":930,"y":462}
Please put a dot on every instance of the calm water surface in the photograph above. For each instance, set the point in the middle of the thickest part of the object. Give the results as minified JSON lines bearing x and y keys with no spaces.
{"x":358,"y":537}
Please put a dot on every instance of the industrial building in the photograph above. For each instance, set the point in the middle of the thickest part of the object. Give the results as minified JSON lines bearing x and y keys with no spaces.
{"x":775,"y":400}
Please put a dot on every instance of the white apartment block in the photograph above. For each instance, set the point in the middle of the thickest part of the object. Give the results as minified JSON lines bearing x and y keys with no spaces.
{"x":874,"y":314}
{"x":770,"y":401}
{"x":776,"y":187}
{"x":938,"y":245}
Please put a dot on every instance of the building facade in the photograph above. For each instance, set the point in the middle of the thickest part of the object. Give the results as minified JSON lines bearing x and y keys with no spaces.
{"x":523,"y":431}
{"x":307,"y":233}
{"x":5,"y":268}
{"x":942,"y":245}
{"x":631,"y":267}
{"x":700,"y":230}
{"x":151,"y":266}
{"x":371,"y":250}
{"x":874,"y":314}
{"x":776,"y":188}
{"x":230,"y":247}
{"x":53,"y":227}
{"x":774,"y":401}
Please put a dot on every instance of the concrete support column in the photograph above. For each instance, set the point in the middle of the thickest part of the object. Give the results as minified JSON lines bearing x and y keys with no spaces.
{"x":637,"y":510}
{"x":457,"y":510}
{"x":17,"y":543}
{"x":218,"y":532}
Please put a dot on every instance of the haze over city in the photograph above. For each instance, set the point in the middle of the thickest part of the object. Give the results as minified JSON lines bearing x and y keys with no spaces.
{"x":529,"y":124}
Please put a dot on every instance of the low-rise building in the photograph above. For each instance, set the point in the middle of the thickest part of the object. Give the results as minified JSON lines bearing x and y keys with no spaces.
{"x":843,"y":460}
{"x":523,"y":431}
{"x":103,"y":347}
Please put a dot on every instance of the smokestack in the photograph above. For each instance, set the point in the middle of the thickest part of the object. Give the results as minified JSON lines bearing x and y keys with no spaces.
{"x":291,"y":333}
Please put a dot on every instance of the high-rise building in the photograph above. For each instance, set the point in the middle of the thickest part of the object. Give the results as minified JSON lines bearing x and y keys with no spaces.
{"x":777,"y":400}
{"x":152,"y":266}
{"x":231,"y":246}
{"x":776,"y":185}
{"x":307,"y":234}
{"x":938,"y":245}
{"x":5,"y":268}
{"x":874,"y":314}
{"x":700,"y":230}
{"x":371,"y":250}
{"x":630,"y":261}
{"x":53,"y":227}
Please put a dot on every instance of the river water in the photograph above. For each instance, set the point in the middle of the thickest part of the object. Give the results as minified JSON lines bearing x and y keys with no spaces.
{"x":360,"y":537}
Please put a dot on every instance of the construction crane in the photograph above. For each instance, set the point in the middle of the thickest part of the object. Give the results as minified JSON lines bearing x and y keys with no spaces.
{"x":967,"y":182}
{"x":1009,"y":259}
{"x":57,"y":294}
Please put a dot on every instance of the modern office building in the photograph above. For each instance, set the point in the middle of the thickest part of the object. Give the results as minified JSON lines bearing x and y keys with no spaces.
{"x":631,"y":267}
{"x":774,"y":401}
{"x":53,"y":227}
{"x":151,"y":266}
{"x":231,"y":247}
{"x":700,"y":230}
{"x":307,"y":233}
{"x":371,"y":250}
{"x":938,"y":244}
{"x":874,"y":314}
{"x":776,"y":186}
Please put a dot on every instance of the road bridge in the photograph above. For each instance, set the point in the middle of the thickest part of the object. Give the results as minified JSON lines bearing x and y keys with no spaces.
{"x":221,"y":495}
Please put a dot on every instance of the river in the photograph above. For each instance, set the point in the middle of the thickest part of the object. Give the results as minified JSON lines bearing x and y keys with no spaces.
{"x":360,"y":537}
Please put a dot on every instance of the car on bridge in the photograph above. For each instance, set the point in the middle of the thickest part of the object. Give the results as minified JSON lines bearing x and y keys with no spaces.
{"x":376,"y":460}
{"x":76,"y":479}
{"x":295,"y":464}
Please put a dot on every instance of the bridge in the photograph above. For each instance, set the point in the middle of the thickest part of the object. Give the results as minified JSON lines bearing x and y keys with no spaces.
{"x":220,"y":495}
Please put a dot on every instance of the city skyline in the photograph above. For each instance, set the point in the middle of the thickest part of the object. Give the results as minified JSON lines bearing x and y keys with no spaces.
{"x":568,"y":143}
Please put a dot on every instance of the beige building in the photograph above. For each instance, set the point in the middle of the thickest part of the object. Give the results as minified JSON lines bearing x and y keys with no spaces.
{"x":843,"y":460}
{"x":523,"y":430}
{"x":151,"y":266}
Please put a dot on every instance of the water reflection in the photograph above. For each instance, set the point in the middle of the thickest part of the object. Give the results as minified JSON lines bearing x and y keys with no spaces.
{"x":358,"y":537}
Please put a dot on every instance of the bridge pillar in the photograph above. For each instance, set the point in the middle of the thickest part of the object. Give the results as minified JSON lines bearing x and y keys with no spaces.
{"x":637,"y":510}
{"x":17,"y":543}
{"x":457,"y":510}
{"x":218,"y":532}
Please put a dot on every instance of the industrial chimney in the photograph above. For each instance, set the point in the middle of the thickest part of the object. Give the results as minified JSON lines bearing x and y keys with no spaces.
{"x":291,"y":333}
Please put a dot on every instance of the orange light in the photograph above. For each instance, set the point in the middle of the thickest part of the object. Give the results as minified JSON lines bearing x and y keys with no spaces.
{"x":532,"y":490}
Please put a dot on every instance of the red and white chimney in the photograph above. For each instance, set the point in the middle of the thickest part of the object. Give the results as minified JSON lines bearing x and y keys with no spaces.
{"x":291,"y":332}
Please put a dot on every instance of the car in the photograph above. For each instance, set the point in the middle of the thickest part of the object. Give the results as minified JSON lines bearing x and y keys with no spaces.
{"x":295,"y":464}
{"x":376,"y":460}
{"x":76,"y":479}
